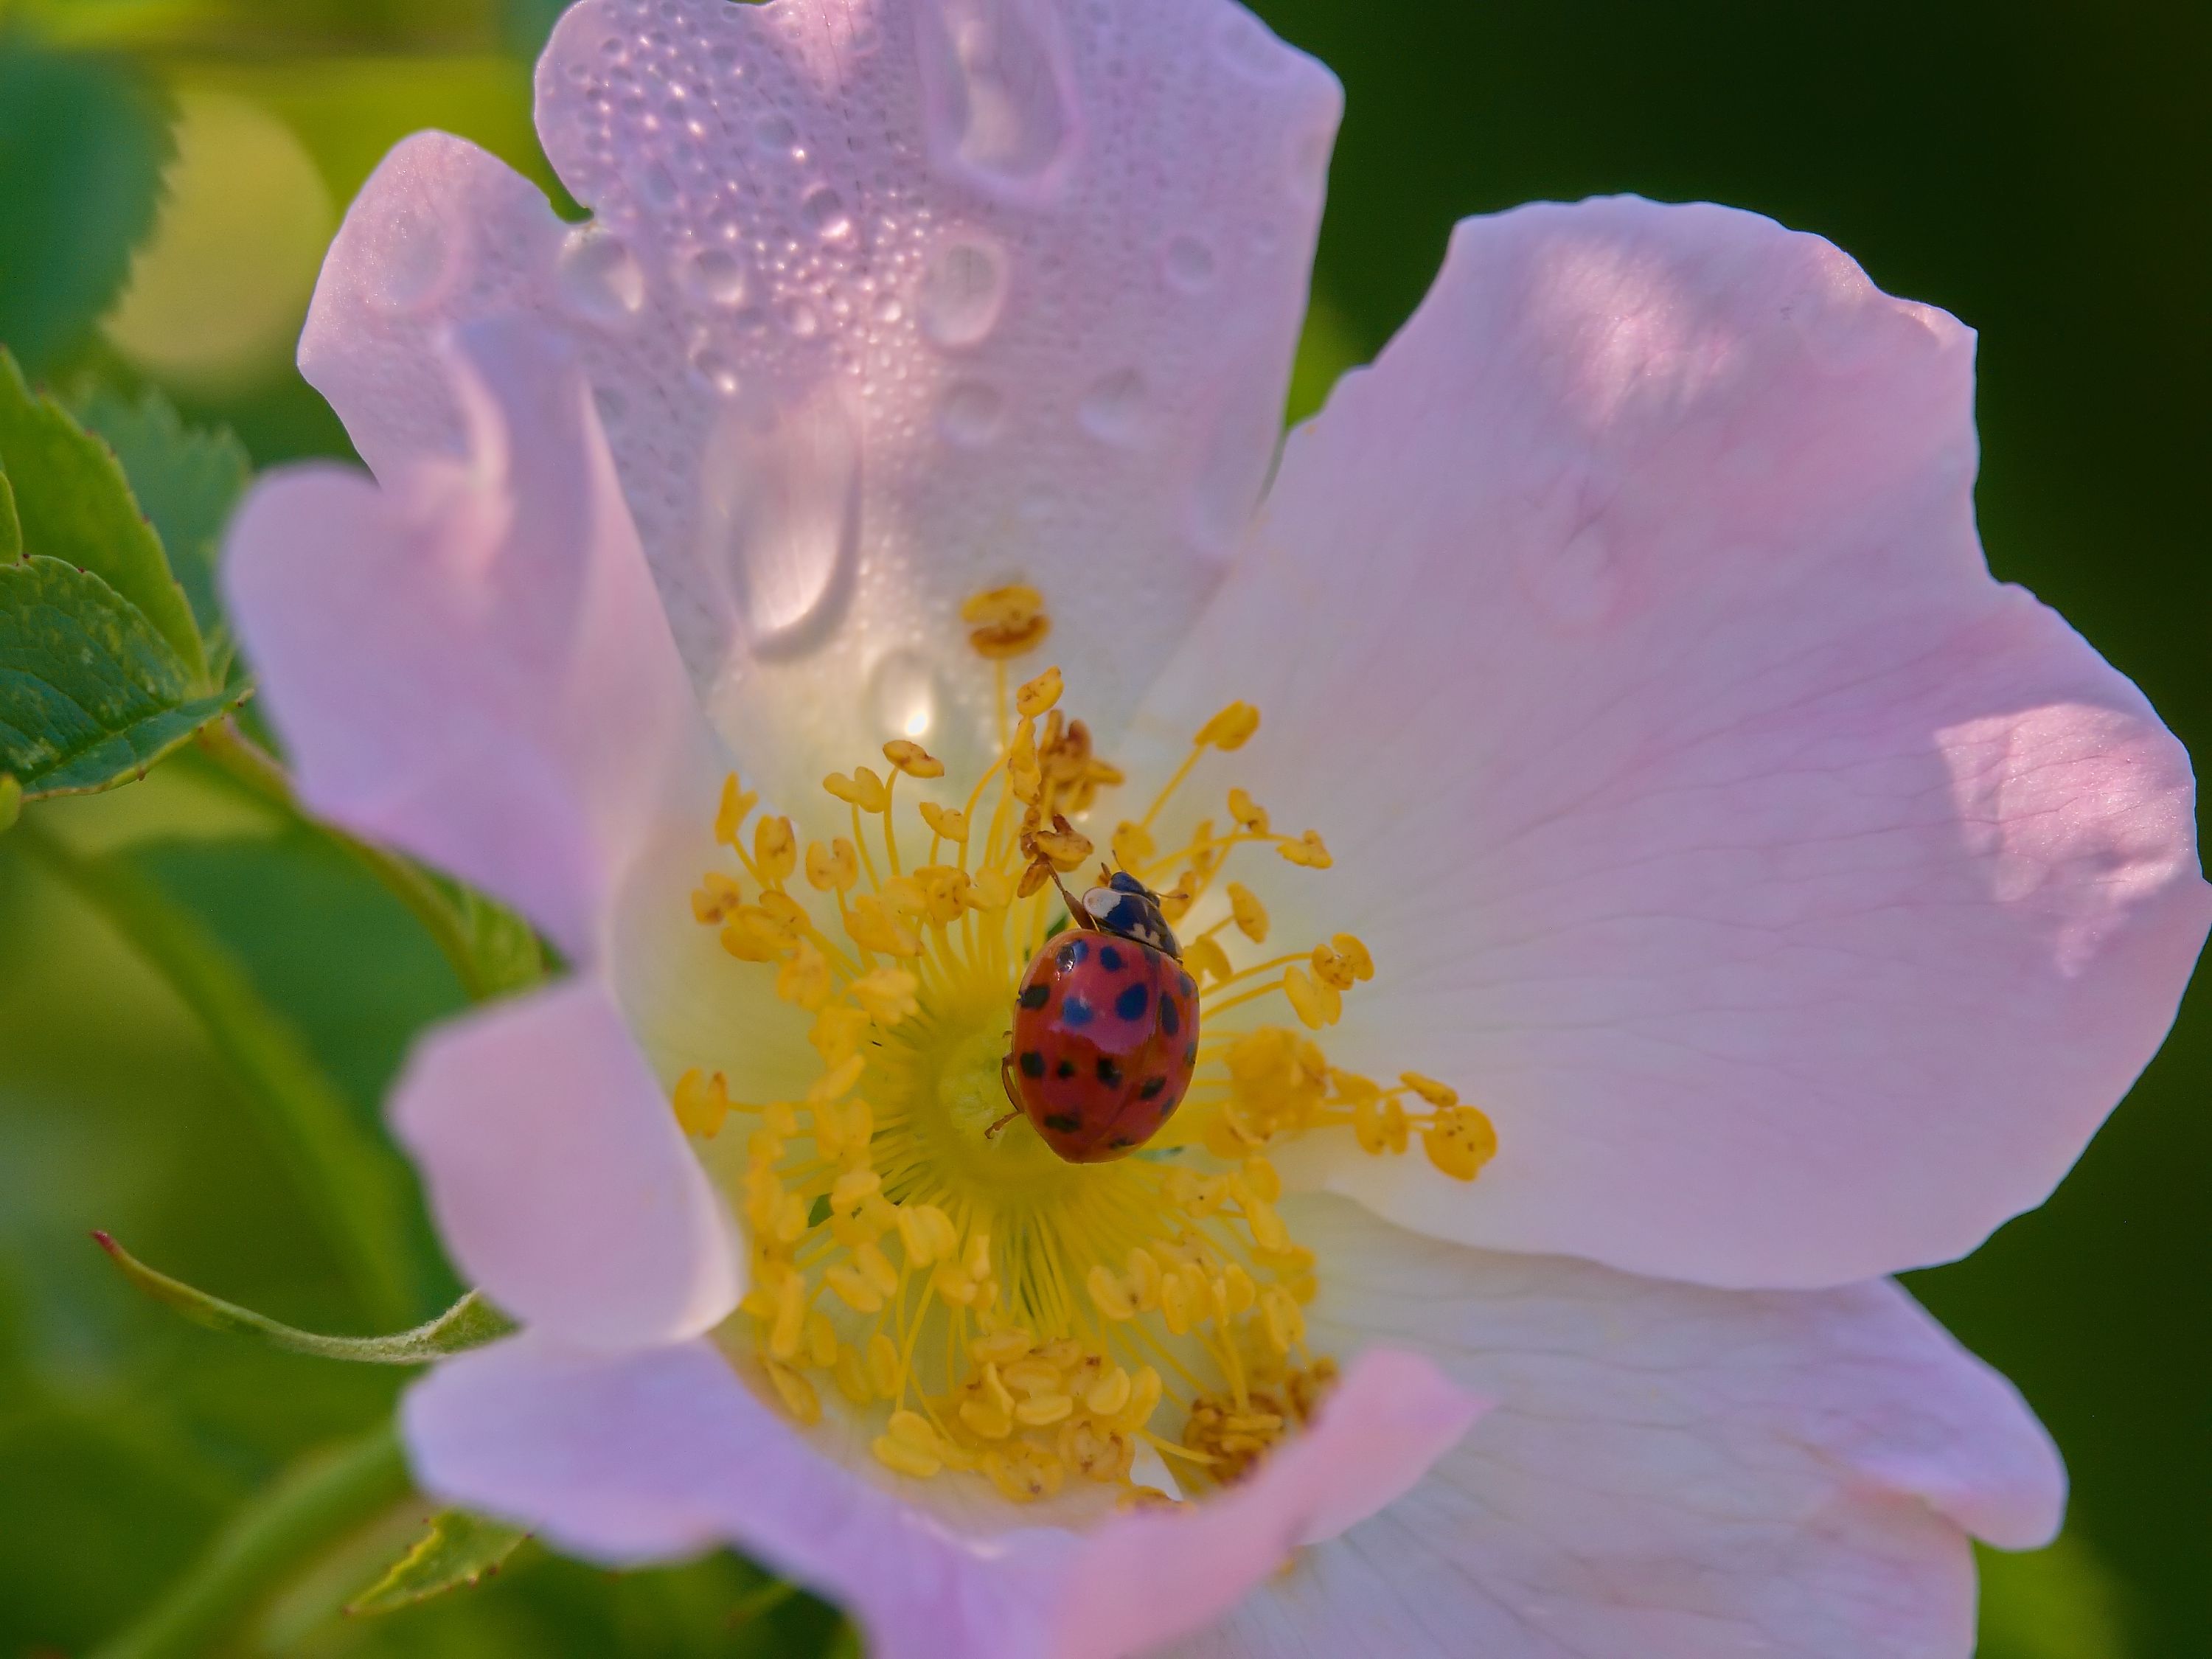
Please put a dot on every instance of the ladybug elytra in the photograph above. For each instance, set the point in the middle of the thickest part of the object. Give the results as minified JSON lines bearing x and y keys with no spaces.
{"x":1105,"y":1035}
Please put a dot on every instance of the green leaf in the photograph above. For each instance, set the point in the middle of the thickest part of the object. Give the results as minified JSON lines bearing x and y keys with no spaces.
{"x":11,"y":528}
{"x":90,"y":695}
{"x":83,"y":144}
{"x":187,"y":480}
{"x":75,"y":505}
{"x":504,"y":948}
{"x":352,"y":1178}
{"x":458,"y":1550}
{"x":469,"y":1323}
{"x":11,"y":802}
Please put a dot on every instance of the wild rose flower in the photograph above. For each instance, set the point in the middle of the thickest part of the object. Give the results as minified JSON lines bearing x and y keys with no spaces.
{"x":1612,"y":754}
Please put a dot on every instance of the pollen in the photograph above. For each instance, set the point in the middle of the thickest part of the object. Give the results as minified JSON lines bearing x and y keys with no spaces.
{"x":925,"y":1270}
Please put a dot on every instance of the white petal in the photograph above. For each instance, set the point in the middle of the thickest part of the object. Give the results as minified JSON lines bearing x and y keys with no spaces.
{"x":886,"y":305}
{"x":1667,"y":1472}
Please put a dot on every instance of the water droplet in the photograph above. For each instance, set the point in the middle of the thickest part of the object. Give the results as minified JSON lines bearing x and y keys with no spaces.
{"x":413,"y":266}
{"x":1113,"y":411}
{"x":712,"y":369}
{"x":798,"y":319}
{"x":998,"y":91}
{"x":962,"y":291}
{"x":1190,"y":264}
{"x":971,"y":414}
{"x":1233,"y":464}
{"x":888,"y":309}
{"x":599,"y":277}
{"x":776,"y":131}
{"x":714,"y":276}
{"x":823,"y":213}
{"x":657,"y":185}
{"x":780,"y":520}
{"x":902,"y":695}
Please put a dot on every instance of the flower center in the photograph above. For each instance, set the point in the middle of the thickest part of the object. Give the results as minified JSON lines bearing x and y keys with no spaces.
{"x":917,"y":1247}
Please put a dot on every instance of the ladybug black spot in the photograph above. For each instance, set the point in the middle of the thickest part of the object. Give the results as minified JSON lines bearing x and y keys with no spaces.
{"x":1108,"y":1073}
{"x":1110,"y":958}
{"x":1036,"y":996}
{"x":1170,"y":1016}
{"x":1151,"y":1089}
{"x":1063,"y":1123}
{"x":1119,"y":1143}
{"x":1190,"y":985}
{"x":1065,"y":1068}
{"x":1073,"y":954}
{"x":1190,"y":1055}
{"x":1032,"y":1064}
{"x":1130,"y":1004}
{"x":1075,"y":1012}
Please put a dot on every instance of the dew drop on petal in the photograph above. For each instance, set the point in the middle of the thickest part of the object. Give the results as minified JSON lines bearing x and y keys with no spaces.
{"x":780,"y":518}
{"x":1113,"y":410}
{"x":714,"y":276}
{"x":962,"y":291}
{"x":998,"y":90}
{"x":823,"y":213}
{"x":971,"y":414}
{"x":712,"y":369}
{"x":1190,"y":264}
{"x":657,"y":185}
{"x":600,"y":277}
{"x":776,"y":131}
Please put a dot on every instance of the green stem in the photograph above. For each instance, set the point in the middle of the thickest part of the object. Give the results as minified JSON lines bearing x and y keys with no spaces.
{"x":254,"y":770}
{"x":282,"y":1529}
{"x":354,"y":1182}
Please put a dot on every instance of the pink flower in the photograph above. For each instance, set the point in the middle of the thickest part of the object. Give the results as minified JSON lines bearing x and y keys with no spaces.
{"x":1791,"y":900}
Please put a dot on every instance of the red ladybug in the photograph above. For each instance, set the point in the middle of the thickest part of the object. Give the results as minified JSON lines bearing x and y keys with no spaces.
{"x":1105,"y":1027}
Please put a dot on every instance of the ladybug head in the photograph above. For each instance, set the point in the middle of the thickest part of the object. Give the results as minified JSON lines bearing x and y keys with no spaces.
{"x":1126,"y":907}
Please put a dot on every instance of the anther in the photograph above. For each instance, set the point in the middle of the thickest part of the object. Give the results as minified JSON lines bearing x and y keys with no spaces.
{"x":1006,"y":621}
{"x":913,"y":759}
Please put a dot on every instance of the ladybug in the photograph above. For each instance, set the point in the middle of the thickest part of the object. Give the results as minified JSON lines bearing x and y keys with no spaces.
{"x":1105,"y":1034}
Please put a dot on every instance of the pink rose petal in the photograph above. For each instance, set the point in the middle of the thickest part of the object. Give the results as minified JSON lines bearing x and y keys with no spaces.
{"x":471,"y":663}
{"x":653,"y":1454}
{"x":1796,"y":899}
{"x":1667,"y":1472}
{"x":558,"y":1177}
{"x":953,"y":292}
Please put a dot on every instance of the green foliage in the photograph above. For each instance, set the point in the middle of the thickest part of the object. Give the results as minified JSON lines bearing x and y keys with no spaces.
{"x":186,"y":481}
{"x":83,"y":144}
{"x":74,"y":503}
{"x":469,"y":1323}
{"x":503,"y":950}
{"x":90,"y":695}
{"x":360,"y":1187}
{"x":458,"y":1550}
{"x":103,"y":671}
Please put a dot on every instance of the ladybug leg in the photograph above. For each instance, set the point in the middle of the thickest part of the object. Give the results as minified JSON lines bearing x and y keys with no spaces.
{"x":1007,"y":1080}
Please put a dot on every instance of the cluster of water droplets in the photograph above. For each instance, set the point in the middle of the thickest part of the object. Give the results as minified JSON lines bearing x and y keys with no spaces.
{"x":838,"y":256}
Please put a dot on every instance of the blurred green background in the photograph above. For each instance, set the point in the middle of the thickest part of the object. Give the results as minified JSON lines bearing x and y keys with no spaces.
{"x":2040,"y":169}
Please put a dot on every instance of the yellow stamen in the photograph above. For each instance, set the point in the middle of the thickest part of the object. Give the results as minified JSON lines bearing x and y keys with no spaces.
{"x":934,"y":1269}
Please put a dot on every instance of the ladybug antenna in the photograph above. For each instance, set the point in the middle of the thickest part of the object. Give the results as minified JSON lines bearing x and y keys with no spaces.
{"x":1076,"y":913}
